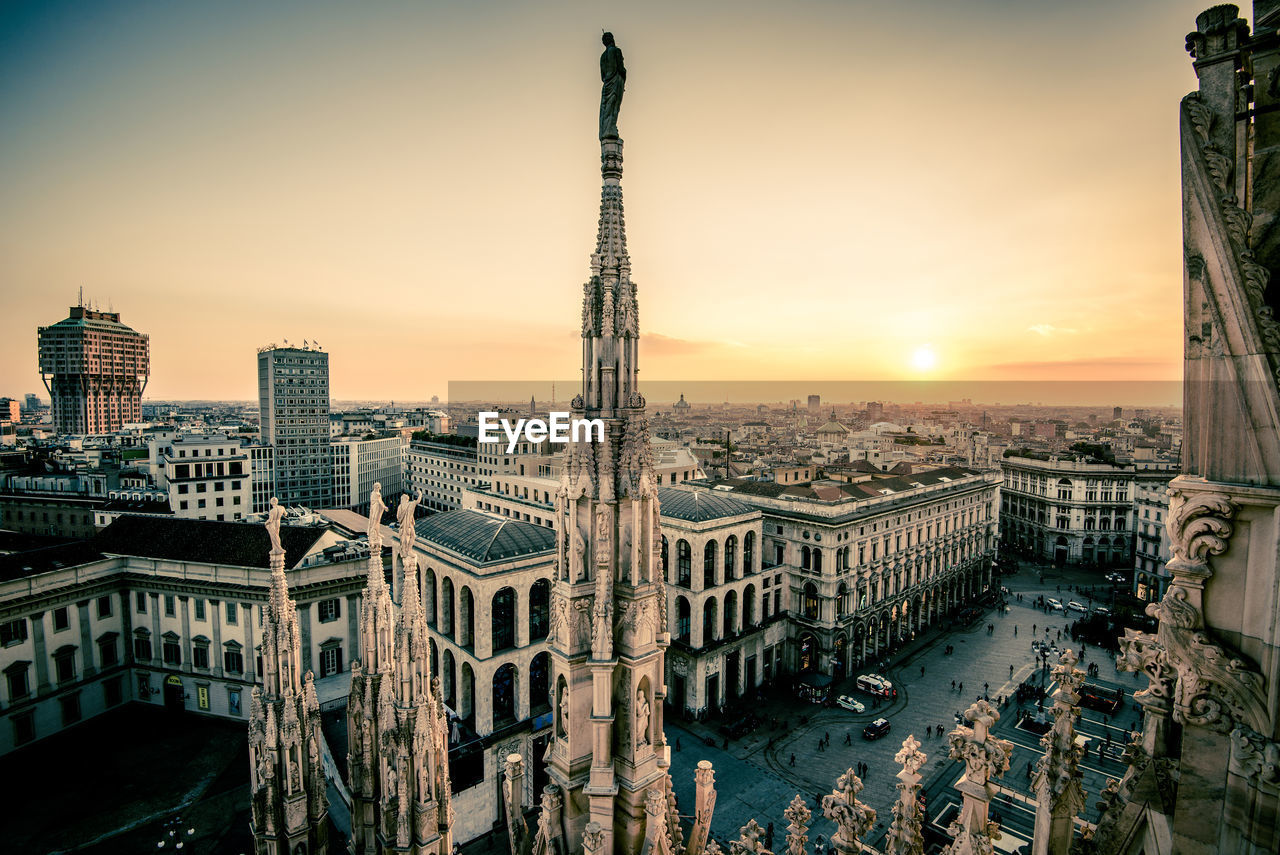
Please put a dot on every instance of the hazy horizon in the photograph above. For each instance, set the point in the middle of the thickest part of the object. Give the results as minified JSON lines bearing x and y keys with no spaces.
{"x":417,"y":187}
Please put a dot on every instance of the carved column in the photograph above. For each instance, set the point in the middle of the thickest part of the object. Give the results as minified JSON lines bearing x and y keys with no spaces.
{"x":798,"y":816}
{"x":984,"y":757}
{"x":852,"y":817}
{"x":1057,"y":780}
{"x":905,"y":837}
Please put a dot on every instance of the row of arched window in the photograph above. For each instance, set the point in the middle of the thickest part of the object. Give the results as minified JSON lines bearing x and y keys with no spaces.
{"x":715,"y":570}
{"x":452,"y":612}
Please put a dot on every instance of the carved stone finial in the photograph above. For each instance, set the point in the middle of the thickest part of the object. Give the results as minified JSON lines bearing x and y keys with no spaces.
{"x":798,"y":816}
{"x":852,"y":817}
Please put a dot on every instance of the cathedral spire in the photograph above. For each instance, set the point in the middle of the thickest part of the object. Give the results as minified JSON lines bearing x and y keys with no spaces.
{"x":287,"y":784}
{"x":609,"y":761}
{"x":397,"y":759}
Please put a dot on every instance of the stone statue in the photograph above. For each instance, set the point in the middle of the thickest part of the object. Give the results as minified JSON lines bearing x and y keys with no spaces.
{"x":613,"y":75}
{"x":274,"y":515}
{"x":405,"y":517}
{"x":564,"y":711}
{"x":376,"y":509}
{"x":642,"y":718}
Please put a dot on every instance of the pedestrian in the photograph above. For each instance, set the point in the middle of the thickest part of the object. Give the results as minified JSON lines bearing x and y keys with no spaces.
{"x":848,"y":739}
{"x":677,"y":743}
{"x":819,"y":745}
{"x":1033,"y":629}
{"x":962,"y":688}
{"x":827,"y":737}
{"x":953,"y":685}
{"x":1015,"y":630}
{"x":928,"y":731}
{"x":793,"y":759}
{"x":921,"y":670}
{"x":986,"y":687}
{"x":1011,"y":672}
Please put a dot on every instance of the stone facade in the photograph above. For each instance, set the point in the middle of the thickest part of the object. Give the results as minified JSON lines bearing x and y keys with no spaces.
{"x":1203,"y":777}
{"x":727,"y":640}
{"x":1064,"y":511}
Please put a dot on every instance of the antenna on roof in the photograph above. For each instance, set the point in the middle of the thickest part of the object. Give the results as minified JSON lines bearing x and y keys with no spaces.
{"x":81,"y":302}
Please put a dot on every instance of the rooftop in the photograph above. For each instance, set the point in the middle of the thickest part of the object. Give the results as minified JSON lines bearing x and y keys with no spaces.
{"x":484,"y":538}
{"x":699,"y":505}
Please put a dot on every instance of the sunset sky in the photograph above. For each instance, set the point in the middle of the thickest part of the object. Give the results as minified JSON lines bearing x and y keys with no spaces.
{"x":828,"y":190}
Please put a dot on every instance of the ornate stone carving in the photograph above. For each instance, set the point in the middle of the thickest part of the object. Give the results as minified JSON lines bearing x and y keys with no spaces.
{"x":1256,"y":758}
{"x":798,"y":816}
{"x":852,"y":817}
{"x":1056,"y":783}
{"x":1199,"y":524}
{"x":749,"y":842}
{"x":984,"y":757}
{"x":904,"y":836}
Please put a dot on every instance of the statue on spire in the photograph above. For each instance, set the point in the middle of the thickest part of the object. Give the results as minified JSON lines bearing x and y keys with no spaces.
{"x":613,"y":76}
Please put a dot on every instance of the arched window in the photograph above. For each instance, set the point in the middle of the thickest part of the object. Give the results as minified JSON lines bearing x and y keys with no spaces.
{"x":504,"y":695}
{"x":749,"y":553}
{"x":429,"y":595}
{"x":684,"y":564}
{"x":730,"y":557}
{"x":806,"y":558}
{"x":709,"y":621}
{"x":817,"y":559}
{"x":503,"y":620}
{"x":749,"y":606}
{"x":730,"y":613}
{"x":666,"y":560}
{"x":466,"y":618}
{"x":811,"y":601}
{"x":446,"y":607}
{"x":539,"y":610}
{"x":682,"y":619}
{"x":709,"y":564}
{"x":540,"y":684}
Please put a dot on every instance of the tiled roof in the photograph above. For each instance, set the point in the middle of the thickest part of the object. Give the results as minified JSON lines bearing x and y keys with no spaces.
{"x":235,"y":544}
{"x":699,"y":505}
{"x":19,"y":564}
{"x":485,"y":538}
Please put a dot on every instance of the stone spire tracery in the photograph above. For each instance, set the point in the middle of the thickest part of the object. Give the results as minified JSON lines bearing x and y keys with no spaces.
{"x":1059,"y":795}
{"x":985,"y":757}
{"x":609,"y":759}
{"x":397,"y":728}
{"x":289,"y":806}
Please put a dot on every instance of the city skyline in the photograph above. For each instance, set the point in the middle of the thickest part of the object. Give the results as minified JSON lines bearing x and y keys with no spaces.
{"x":226,"y":180}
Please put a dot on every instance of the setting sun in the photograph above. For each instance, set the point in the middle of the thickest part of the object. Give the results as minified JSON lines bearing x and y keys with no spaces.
{"x":924,"y":359}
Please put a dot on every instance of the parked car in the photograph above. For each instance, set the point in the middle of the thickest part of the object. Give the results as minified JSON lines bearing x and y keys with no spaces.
{"x":1101,"y":610}
{"x":890,"y":691}
{"x":1077,"y":607}
{"x":1116,"y":577}
{"x":1055,"y":605}
{"x":850,"y":704}
{"x":876,"y":729}
{"x":873,"y":685}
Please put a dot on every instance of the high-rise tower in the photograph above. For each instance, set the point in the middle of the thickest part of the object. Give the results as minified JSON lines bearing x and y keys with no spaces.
{"x":609,"y":761}
{"x":95,"y":369}
{"x":293,"y":413}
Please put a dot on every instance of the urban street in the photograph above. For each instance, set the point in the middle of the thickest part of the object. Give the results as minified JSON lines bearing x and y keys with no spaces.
{"x":759,"y":778}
